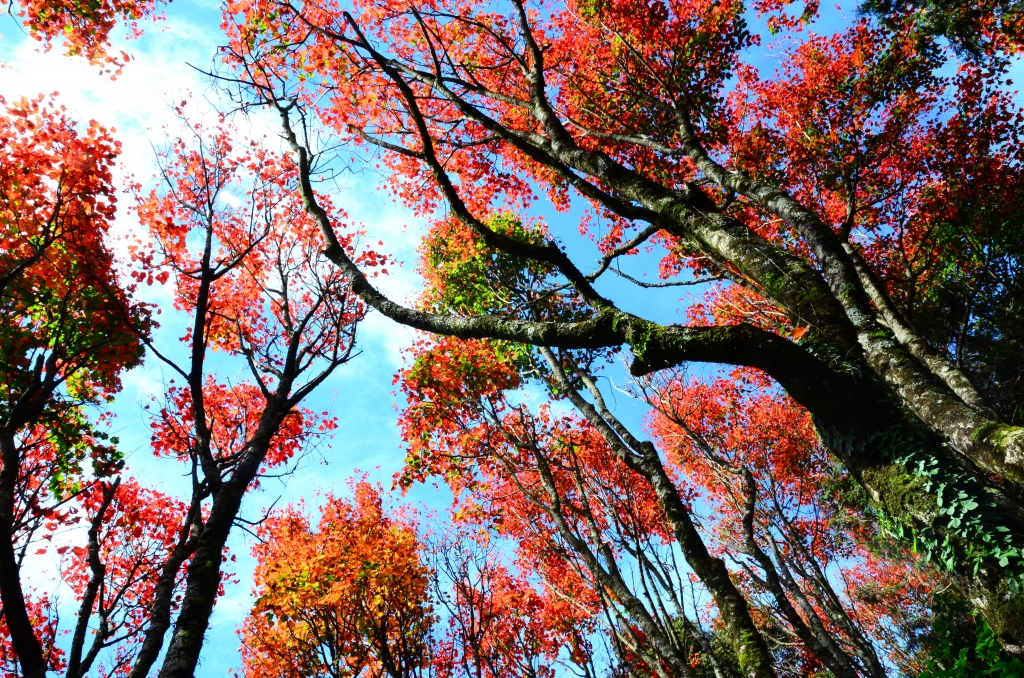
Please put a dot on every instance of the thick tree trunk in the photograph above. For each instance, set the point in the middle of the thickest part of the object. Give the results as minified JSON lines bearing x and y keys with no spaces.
{"x":202,"y":585}
{"x":26,"y":645}
{"x":910,"y":465}
{"x":204,"y":572}
{"x":928,"y":383}
{"x":924,"y":492}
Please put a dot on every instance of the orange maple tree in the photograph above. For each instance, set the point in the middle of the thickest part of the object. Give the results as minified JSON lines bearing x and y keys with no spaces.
{"x":350,"y":598}
{"x":367,"y":594}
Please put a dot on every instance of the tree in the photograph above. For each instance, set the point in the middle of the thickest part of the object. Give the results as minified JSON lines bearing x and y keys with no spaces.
{"x":820,"y":591}
{"x":844,"y":202}
{"x":349,"y":599}
{"x":255,"y":288}
{"x":587,"y":518}
{"x":792,"y":188}
{"x":591,"y":497}
{"x":68,"y":331}
{"x":131,"y":532}
{"x":253,"y":281}
{"x":38,"y":612}
{"x":357,"y":595}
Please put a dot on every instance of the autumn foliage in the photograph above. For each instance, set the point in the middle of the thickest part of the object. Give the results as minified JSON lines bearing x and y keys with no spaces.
{"x":69,"y":330}
{"x":814,"y":467}
{"x":254,"y":290}
{"x":833,"y":198}
{"x":84,"y":28}
{"x":348,"y":599}
{"x":368,"y":593}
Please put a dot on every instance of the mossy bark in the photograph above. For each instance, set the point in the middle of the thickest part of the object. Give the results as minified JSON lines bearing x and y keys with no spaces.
{"x":933,"y":500}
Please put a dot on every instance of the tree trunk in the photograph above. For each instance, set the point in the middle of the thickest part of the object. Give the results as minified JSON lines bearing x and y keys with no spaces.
{"x":26,"y":645}
{"x":204,"y":572}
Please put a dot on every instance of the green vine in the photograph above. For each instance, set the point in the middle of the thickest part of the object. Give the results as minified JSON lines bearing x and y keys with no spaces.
{"x":966,"y":531}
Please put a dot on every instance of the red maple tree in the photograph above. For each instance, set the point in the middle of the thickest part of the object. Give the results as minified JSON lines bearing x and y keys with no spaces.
{"x":816,"y":194}
{"x":69,"y":330}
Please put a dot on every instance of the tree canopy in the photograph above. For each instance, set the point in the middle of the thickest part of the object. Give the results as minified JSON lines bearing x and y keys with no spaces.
{"x":828,"y":479}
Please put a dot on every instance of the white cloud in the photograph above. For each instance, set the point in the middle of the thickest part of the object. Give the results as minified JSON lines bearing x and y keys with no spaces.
{"x":135,"y":101}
